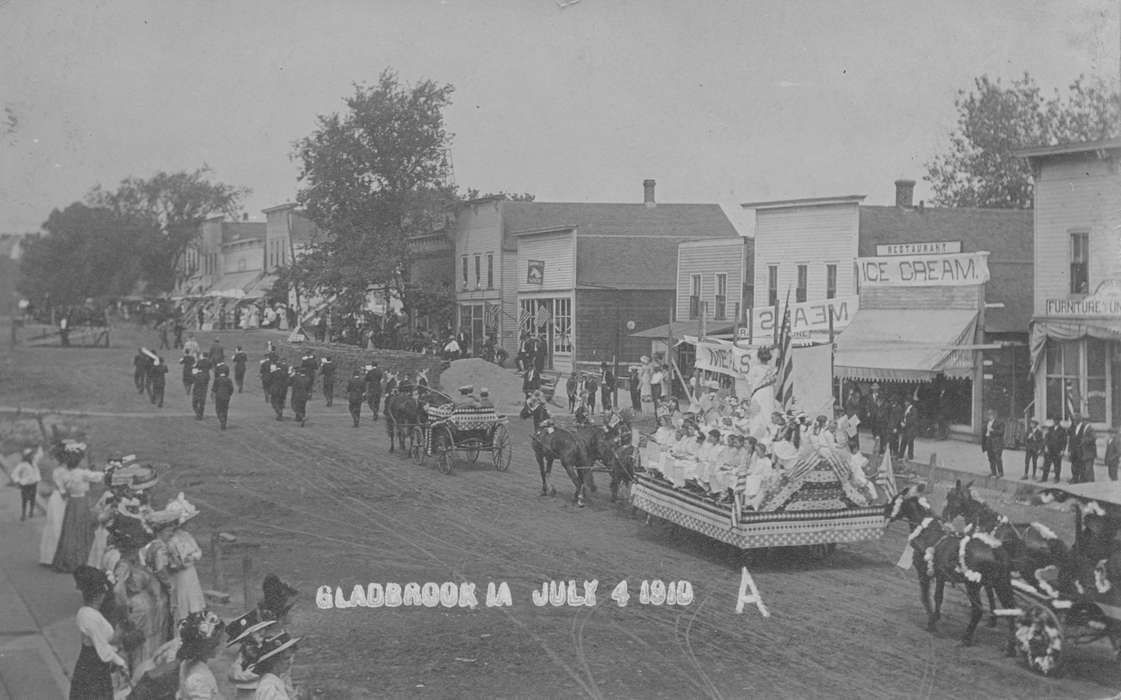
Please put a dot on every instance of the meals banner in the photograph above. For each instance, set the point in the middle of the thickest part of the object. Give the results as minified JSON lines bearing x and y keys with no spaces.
{"x":806,"y":317}
{"x":950,"y":270}
{"x":813,"y":370}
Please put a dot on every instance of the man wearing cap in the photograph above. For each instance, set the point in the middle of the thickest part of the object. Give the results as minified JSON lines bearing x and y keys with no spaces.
{"x":301,"y":384}
{"x":217,"y":352}
{"x":157,"y":381}
{"x":265,"y":370}
{"x":1033,"y":443}
{"x":1054,"y":441}
{"x":278,"y":387}
{"x":1113,"y":453}
{"x":1083,"y":451}
{"x":223,"y":391}
{"x":484,"y":398}
{"x":187,"y":362}
{"x":239,"y":360}
{"x":327,"y":369}
{"x":200,"y":383}
{"x":607,"y":386}
{"x":140,"y":370}
{"x":373,"y":388}
{"x":992,"y":444}
{"x":467,"y":397}
{"x":355,"y":393}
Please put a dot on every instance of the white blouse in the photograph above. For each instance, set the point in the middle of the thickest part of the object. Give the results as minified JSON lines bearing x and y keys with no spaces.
{"x":77,"y":481}
{"x":97,"y":631}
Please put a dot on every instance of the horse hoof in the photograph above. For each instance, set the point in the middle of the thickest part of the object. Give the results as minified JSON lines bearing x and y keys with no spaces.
{"x":992,"y":623}
{"x":553,"y":491}
{"x":543,"y":493}
{"x":967,"y":642}
{"x":580,"y":505}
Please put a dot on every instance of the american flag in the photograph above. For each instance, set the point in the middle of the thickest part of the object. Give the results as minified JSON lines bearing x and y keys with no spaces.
{"x":784,"y":391}
{"x":525,"y":318}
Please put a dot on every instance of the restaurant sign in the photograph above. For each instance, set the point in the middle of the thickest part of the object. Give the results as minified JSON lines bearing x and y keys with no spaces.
{"x":1105,"y":301}
{"x":930,"y":248}
{"x":807,"y":317}
{"x":948,"y":270}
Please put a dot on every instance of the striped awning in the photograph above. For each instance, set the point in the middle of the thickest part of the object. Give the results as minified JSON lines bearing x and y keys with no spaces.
{"x":907,"y":345}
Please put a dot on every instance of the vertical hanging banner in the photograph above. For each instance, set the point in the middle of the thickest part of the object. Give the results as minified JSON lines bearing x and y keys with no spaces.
{"x":948,"y":270}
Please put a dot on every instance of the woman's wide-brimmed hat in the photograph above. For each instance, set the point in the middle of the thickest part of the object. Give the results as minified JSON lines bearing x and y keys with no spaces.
{"x":144,"y":478}
{"x":198,"y":632}
{"x":182,"y":509}
{"x":161,"y":519}
{"x":247,"y":624}
{"x":273,"y":646}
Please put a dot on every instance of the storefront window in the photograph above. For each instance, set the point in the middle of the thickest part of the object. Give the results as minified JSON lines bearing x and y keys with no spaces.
{"x":1078,"y":379}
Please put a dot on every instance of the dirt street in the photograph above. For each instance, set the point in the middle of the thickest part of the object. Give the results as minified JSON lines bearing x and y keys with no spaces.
{"x":331,"y":506}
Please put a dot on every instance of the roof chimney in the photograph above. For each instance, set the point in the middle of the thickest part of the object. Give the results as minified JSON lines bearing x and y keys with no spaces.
{"x":904,"y":193}
{"x":648,"y":193}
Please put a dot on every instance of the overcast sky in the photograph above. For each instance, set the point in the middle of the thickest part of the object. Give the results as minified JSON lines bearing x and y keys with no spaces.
{"x":718,"y":101}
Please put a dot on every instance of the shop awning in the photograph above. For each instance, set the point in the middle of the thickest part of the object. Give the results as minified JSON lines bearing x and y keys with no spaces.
{"x":680,"y":328}
{"x":1067,"y":329}
{"x":232,"y":285}
{"x":906,"y":345}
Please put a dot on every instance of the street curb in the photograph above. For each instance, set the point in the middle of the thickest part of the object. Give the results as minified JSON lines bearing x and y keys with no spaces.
{"x":1013,"y":487}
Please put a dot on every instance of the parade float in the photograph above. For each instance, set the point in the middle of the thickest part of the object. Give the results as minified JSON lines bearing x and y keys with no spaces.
{"x":800,"y":486}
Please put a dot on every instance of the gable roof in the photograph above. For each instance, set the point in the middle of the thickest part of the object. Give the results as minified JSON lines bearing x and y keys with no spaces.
{"x":684,"y":221}
{"x":1006,"y":233}
{"x":622,"y":246}
{"x":236,"y":231}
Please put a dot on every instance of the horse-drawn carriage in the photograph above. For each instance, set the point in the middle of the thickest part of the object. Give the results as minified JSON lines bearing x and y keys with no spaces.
{"x":447,"y":429}
{"x":1084,"y":604}
{"x":816,"y":512}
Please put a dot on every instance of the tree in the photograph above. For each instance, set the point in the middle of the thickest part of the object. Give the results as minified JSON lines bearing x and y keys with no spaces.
{"x":371,"y":178}
{"x":171,"y":206}
{"x":979,"y":168}
{"x":473,"y":193}
{"x":86,"y":252}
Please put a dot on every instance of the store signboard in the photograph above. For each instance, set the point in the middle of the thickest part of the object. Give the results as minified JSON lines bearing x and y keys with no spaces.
{"x":944,"y":270}
{"x":1104,"y":302}
{"x":535,"y":272}
{"x":928,"y":248}
{"x":805,"y":318}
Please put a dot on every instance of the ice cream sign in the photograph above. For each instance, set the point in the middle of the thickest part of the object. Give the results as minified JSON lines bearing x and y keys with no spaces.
{"x":1105,"y":301}
{"x":943,"y":270}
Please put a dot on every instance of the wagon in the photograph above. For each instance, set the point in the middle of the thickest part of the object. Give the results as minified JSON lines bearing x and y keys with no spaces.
{"x":816,"y":515}
{"x":465,"y":429}
{"x":1048,"y":622}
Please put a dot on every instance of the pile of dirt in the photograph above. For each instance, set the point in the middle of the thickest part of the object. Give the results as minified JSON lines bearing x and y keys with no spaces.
{"x":504,"y":384}
{"x":348,"y":357}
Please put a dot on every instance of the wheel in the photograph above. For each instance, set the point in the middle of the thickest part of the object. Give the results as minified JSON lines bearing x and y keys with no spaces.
{"x":500,"y":448}
{"x":1039,"y":638}
{"x":442,"y":448}
{"x":416,"y":444}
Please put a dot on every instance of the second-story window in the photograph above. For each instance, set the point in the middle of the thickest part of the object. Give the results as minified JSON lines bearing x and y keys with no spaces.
{"x":830,"y":281}
{"x":721,"y":312}
{"x":478,"y":271}
{"x":800,"y":291}
{"x":1080,"y":263}
{"x":695,"y":296}
{"x":490,"y":270}
{"x":465,"y":271}
{"x":772,"y":285}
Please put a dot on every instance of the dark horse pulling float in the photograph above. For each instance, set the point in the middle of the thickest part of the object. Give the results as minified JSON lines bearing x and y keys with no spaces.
{"x":815,"y":513}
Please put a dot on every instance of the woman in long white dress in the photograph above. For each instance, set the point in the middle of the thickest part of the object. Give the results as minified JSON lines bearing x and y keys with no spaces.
{"x":56,"y":510}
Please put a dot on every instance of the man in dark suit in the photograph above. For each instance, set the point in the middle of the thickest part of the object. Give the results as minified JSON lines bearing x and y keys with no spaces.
{"x":355,"y":392}
{"x":223,"y":391}
{"x":1074,"y":447}
{"x":992,"y":443}
{"x":876,"y":417}
{"x":374,"y":378}
{"x":1087,"y":451}
{"x":1054,"y":441}
{"x":1034,"y":447}
{"x":908,"y":427}
{"x":895,"y":426}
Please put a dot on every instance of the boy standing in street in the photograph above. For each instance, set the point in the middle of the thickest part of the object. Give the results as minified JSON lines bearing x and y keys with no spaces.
{"x":1113,"y":453}
{"x":1034,"y":446}
{"x":223,"y":391}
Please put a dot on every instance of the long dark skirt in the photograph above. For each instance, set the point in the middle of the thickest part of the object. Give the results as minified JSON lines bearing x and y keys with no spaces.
{"x":93,"y":678}
{"x":76,"y":539}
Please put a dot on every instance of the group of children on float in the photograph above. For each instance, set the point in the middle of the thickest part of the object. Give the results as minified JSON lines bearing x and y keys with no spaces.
{"x":722,"y":447}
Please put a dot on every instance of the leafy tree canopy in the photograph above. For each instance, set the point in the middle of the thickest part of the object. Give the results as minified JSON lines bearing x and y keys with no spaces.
{"x":86,"y":252}
{"x":372,"y":177}
{"x":979,"y":168}
{"x":171,"y":206}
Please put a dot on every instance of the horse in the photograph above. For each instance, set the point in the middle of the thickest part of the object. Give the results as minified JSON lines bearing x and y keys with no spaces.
{"x":604,"y":445}
{"x":403,"y":410}
{"x":1033,"y":548}
{"x":976,"y":560}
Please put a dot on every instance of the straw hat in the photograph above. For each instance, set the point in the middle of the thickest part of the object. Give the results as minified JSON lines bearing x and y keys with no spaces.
{"x":182,"y":509}
{"x":245,"y":625}
{"x":198,"y":631}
